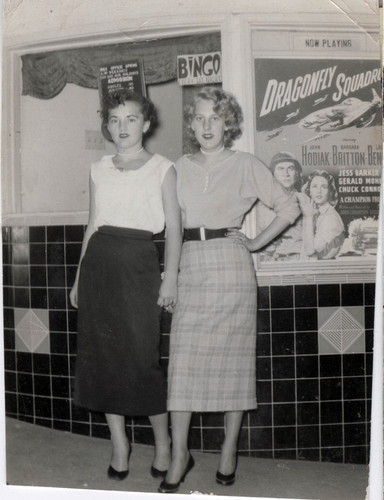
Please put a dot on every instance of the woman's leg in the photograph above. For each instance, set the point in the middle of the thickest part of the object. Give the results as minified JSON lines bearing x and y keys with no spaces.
{"x":162,"y":441}
{"x":120,"y":444}
{"x":180,"y":421}
{"x":233,"y":421}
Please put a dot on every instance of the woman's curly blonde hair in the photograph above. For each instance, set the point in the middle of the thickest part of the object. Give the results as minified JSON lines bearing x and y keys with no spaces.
{"x":225,"y":105}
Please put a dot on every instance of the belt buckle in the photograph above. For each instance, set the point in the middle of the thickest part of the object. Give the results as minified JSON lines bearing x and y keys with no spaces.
{"x":202,"y":233}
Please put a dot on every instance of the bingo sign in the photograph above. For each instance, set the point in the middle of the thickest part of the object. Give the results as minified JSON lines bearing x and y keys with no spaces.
{"x":199,"y":69}
{"x":123,"y":75}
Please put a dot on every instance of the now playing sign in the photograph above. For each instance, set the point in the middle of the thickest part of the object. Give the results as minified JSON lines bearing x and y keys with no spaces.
{"x":197,"y":69}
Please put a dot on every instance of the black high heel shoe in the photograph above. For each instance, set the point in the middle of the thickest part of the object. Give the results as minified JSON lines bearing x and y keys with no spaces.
{"x":118,"y":475}
{"x":158,"y":473}
{"x":226,"y":479}
{"x":173,"y":487}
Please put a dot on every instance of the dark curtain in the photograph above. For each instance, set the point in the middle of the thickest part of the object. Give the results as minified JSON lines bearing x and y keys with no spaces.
{"x":46,"y":74}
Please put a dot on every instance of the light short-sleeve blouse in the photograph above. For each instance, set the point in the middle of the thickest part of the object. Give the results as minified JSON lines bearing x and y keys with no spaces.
{"x":221,"y":195}
{"x":130,"y":198}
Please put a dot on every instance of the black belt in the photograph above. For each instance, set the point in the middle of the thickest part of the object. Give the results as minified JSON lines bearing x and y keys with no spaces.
{"x":203,"y":234}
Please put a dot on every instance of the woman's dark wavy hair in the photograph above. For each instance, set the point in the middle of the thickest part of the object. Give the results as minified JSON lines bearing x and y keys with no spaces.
{"x":225,"y":105}
{"x":113,"y":99}
{"x":333,"y":196}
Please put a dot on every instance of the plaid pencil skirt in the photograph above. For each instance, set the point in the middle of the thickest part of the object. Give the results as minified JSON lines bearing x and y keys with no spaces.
{"x":212,"y":361}
{"x":117,"y":365}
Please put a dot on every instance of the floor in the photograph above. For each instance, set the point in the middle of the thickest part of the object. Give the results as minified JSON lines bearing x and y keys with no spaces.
{"x":37,"y":456}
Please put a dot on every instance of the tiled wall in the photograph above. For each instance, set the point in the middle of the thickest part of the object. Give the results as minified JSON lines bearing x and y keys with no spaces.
{"x":314,"y":360}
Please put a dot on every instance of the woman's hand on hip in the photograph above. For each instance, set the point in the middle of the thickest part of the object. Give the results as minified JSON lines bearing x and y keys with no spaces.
{"x":239,"y":237}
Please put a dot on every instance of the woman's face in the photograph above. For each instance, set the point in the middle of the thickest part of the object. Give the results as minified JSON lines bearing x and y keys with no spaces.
{"x":208,"y":126}
{"x":319,"y":190}
{"x":126,"y":125}
{"x":286,"y":173}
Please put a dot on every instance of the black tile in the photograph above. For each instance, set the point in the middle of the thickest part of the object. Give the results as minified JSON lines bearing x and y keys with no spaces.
{"x":264,"y":391}
{"x":307,"y":366}
{"x":369,"y":364}
{"x":308,"y":414}
{"x":59,"y":364}
{"x":283,"y":367}
{"x":330,"y":389}
{"x":260,"y":438}
{"x":80,"y":414}
{"x":305,"y":296}
{"x":196,"y":419}
{"x":283,"y":391}
{"x":25,"y":404}
{"x":43,"y":407}
{"x":56,"y":276}
{"x":9,"y":339}
{"x":262,"y":416}
{"x":353,"y":365}
{"x":355,"y":434}
{"x":369,"y":316}
{"x":72,"y":320}
{"x":100,"y":431}
{"x":330,"y":365}
{"x":10,"y":381}
{"x":22,"y":299}
{"x":72,"y":253}
{"x":282,"y":320}
{"x":369,"y":341}
{"x":10,"y":403}
{"x":24,"y":383}
{"x":281,"y":297}
{"x":81,"y":428}
{"x":37,"y":234}
{"x":195,"y":438}
{"x":55,"y":254}
{"x":55,"y":233}
{"x":369,"y":294}
{"x":243,"y":439}
{"x":331,"y":412}
{"x":331,"y":435}
{"x":263,"y":369}
{"x":310,"y":454}
{"x":39,"y":298}
{"x":354,"y":388}
{"x":306,"y":319}
{"x":307,"y":390}
{"x":57,"y":298}
{"x":74,"y":233}
{"x":263,"y":344}
{"x":38,"y":276}
{"x":212,"y":419}
{"x":9,"y":318}
{"x":24,"y":362}
{"x":285,"y":454}
{"x":42,"y":385}
{"x":61,"y":426}
{"x":329,"y":295}
{"x":332,"y":455}
{"x":8,"y":297}
{"x":263,"y":321}
{"x":352,"y":294}
{"x":7,"y":275}
{"x":356,"y":455}
{"x":284,"y":437}
{"x":72,"y":343}
{"x":212,"y":438}
{"x":61,"y":409}
{"x":21,"y":275}
{"x":38,"y":254}
{"x":58,"y":321}
{"x":263,"y":301}
{"x":284,"y":414}
{"x":9,"y":360}
{"x":354,"y":411}
{"x":308,"y":436}
{"x":283,"y":344}
{"x":6,"y":233}
{"x":41,"y":363}
{"x":7,"y":254}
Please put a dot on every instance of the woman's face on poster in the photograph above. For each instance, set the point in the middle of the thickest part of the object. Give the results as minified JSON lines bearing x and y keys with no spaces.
{"x":286,"y":173}
{"x":319,"y":190}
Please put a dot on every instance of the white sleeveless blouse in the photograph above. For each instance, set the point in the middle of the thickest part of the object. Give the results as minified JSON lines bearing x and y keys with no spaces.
{"x":132,"y":198}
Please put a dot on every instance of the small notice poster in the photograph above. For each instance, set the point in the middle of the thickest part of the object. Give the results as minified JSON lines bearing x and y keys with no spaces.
{"x":128,"y":75}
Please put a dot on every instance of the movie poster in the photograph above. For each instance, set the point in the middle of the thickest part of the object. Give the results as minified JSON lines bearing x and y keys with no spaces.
{"x":318,"y":128}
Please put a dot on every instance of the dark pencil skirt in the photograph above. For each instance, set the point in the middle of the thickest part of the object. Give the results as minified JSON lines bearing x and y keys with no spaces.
{"x":117,"y":367}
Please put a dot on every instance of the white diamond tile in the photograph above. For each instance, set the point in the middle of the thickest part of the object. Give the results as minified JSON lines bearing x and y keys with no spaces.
{"x":341,"y":330}
{"x":32,"y":330}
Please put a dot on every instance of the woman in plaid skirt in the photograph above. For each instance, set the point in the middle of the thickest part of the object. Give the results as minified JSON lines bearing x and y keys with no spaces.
{"x":213,"y":334}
